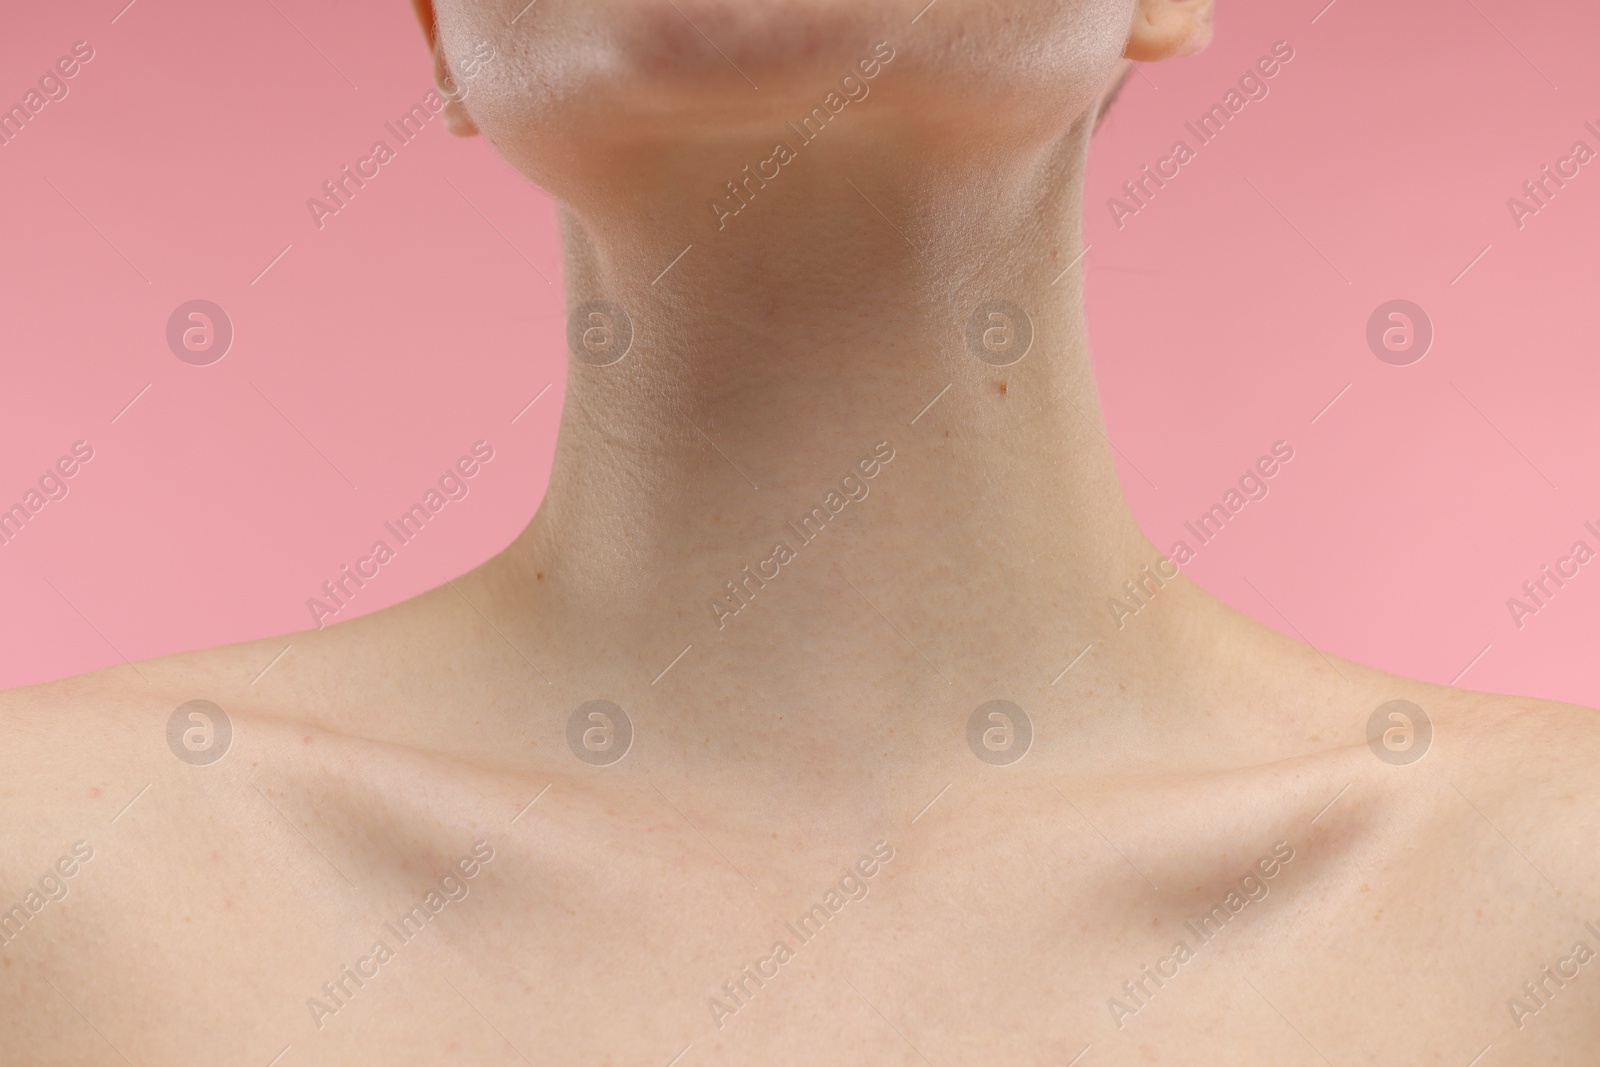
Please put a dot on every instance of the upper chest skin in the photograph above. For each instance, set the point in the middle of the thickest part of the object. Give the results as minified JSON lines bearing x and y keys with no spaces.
{"x":235,"y":912}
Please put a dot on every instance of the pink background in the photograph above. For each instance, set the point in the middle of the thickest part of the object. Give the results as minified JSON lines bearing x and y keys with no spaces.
{"x":1224,"y":316}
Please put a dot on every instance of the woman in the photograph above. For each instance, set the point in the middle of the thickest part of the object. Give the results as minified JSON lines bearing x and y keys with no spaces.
{"x":825,"y":747}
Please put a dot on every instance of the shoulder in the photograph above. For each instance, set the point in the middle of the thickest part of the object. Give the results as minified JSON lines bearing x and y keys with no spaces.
{"x":107,"y":717}
{"x":1528,"y":740}
{"x":62,"y":737}
{"x":80,"y":757}
{"x":1523,"y":772}
{"x":387,"y":687}
{"x":83,"y":756}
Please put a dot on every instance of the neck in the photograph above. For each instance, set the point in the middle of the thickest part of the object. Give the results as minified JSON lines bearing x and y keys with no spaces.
{"x":730,"y":478}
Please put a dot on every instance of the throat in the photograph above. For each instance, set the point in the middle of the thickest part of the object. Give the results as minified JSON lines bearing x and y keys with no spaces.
{"x":864,"y":411}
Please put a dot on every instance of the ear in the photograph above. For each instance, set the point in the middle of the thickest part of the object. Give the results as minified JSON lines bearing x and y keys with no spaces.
{"x":456,"y":118}
{"x":1162,"y":28}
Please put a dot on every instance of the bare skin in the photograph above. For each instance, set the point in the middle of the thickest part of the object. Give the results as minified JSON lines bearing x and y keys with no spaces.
{"x":1384,"y":912}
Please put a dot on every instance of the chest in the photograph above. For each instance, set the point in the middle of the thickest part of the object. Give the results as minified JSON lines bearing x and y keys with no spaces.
{"x":473,"y":917}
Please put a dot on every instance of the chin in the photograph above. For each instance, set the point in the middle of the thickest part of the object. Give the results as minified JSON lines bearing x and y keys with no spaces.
{"x":666,"y":54}
{"x":610,"y":81}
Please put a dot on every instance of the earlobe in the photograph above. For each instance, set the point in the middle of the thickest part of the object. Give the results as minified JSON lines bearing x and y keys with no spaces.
{"x":456,"y":117}
{"x":458,"y":121}
{"x":1165,"y":28}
